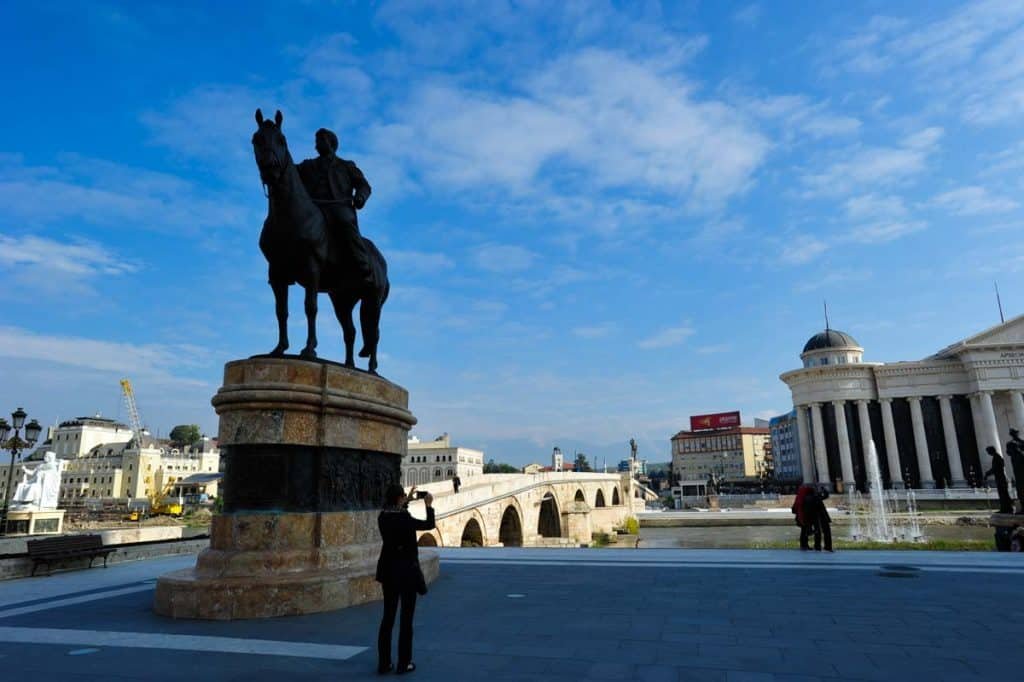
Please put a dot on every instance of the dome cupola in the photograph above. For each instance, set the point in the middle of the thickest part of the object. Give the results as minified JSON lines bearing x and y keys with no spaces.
{"x":831,"y":347}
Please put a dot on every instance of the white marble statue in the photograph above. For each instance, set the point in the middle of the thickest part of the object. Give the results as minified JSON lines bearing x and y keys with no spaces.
{"x":40,"y":487}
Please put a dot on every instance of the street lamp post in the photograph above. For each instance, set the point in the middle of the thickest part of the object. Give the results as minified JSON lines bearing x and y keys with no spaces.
{"x":10,"y":439}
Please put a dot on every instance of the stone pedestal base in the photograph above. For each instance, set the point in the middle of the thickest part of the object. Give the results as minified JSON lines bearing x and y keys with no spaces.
{"x":264,"y":565}
{"x":309,"y":450}
{"x":35,"y":521}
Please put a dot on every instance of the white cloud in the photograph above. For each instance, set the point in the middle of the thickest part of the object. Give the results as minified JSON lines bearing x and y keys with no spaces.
{"x":48,"y":266}
{"x":801,"y":248}
{"x":801,"y":117}
{"x":970,"y":57}
{"x":672,"y":336}
{"x":419,"y":261}
{"x":594,"y":121}
{"x":831,"y":278}
{"x":124,"y":358}
{"x":875,"y":166}
{"x":972,"y":201}
{"x":503,"y":258}
{"x":884,"y":231}
{"x":100,"y":192}
{"x":879,"y":218}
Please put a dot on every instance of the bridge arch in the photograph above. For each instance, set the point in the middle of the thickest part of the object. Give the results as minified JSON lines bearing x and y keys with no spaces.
{"x":599,"y":498}
{"x":615,"y":497}
{"x":427,"y":540}
{"x":580,"y":497}
{"x":549,"y":522}
{"x":472,"y":534}
{"x":510,"y":532}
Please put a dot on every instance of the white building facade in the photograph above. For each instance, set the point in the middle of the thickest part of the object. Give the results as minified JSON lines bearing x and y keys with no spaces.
{"x":929,"y":421}
{"x":102,"y":461}
{"x":439,"y":460}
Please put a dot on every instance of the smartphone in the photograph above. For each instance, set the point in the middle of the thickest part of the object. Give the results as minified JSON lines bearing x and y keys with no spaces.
{"x":420,"y":494}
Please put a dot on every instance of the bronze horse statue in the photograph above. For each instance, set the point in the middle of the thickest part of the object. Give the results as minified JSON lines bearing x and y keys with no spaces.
{"x":300,"y":249}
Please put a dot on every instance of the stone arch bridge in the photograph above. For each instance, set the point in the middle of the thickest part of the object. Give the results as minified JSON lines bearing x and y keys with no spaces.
{"x":529,"y":510}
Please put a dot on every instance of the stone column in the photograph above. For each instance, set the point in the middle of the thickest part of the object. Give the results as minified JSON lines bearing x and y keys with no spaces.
{"x":1017,"y":400}
{"x":956,"y":467}
{"x":309,"y":450}
{"x":988,"y":422}
{"x":892,"y":450}
{"x":806,"y":458}
{"x":845,"y":458}
{"x":924,"y":463}
{"x":820,"y":453}
{"x":980,"y":438}
{"x":865,"y":429}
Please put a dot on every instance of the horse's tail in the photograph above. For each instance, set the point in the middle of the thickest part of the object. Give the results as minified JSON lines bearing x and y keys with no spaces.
{"x":379,"y":268}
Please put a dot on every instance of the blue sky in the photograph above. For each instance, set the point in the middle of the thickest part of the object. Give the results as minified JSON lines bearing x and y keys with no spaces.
{"x":600,"y":218}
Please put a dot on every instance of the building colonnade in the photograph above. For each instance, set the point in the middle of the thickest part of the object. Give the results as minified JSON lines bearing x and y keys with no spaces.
{"x":931,"y":447}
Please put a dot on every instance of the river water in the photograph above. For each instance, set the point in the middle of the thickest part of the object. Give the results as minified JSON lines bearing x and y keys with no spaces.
{"x":734,"y":537}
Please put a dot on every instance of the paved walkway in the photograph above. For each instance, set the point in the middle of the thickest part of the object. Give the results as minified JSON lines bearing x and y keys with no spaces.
{"x":507,"y":614}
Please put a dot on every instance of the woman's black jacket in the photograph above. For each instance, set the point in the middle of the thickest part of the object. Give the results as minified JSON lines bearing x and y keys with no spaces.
{"x":399,"y":561}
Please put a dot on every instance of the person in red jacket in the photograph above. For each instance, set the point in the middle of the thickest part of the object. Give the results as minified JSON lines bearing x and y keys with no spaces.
{"x":803,"y":519}
{"x":399,"y":573}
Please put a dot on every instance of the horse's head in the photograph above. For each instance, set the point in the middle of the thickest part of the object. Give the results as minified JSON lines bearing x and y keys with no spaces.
{"x":270,"y":147}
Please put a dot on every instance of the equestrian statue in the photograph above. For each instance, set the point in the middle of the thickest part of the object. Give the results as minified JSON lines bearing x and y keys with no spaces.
{"x":311,"y":238}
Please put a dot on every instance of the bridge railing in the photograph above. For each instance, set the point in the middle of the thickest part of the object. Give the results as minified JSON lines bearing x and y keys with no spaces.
{"x":479,"y":493}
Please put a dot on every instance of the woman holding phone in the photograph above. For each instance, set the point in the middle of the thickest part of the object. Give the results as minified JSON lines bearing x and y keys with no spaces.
{"x":398,"y":572}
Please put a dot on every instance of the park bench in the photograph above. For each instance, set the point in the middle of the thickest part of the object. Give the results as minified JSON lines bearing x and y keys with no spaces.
{"x":49,"y":550}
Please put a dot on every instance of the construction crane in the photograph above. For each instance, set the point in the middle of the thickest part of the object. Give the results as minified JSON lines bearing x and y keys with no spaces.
{"x":133,"y":411}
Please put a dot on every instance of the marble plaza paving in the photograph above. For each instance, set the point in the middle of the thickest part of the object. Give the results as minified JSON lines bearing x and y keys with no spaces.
{"x":521,"y":614}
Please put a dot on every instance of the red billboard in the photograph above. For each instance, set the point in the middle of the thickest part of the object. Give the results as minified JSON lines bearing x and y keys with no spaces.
{"x":720,"y":420}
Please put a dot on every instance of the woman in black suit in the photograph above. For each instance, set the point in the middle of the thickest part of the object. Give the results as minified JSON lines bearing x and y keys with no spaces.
{"x":398,"y":572}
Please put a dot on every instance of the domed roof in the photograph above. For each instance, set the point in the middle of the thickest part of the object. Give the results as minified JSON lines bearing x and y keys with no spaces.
{"x":830,"y":338}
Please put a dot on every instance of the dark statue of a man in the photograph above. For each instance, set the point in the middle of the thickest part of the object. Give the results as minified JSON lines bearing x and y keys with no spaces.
{"x":311,"y":238}
{"x":1015,"y":450}
{"x":339,"y":188}
{"x":998,"y":469}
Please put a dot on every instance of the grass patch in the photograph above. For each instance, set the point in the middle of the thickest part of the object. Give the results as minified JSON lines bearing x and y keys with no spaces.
{"x":926,"y":545}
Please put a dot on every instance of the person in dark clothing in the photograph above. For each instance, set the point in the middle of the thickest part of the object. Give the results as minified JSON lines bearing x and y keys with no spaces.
{"x":802,"y":518}
{"x":818,"y":516}
{"x":399,"y":573}
{"x":998,"y":469}
{"x":456,"y":482}
{"x":1015,"y":450}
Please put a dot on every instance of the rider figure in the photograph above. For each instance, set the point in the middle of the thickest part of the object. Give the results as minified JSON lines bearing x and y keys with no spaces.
{"x":339,"y":188}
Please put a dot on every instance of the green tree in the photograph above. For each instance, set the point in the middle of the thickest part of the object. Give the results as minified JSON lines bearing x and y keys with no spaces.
{"x":186,"y":434}
{"x":499,"y":468}
{"x":580,"y":463}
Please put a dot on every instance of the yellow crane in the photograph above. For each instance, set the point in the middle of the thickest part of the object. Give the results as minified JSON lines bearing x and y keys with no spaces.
{"x":159,"y":501}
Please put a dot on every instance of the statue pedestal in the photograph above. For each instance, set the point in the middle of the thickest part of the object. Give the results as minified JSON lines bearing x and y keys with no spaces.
{"x":35,"y":521}
{"x":714,"y":504}
{"x":309,"y":449}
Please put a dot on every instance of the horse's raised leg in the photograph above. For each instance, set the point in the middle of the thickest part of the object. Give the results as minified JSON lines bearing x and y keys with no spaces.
{"x":343,"y":309}
{"x":369,"y":319}
{"x":309,"y":352}
{"x":281,"y":308}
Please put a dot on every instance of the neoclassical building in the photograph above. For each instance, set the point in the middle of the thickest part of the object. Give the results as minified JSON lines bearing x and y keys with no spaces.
{"x":930,"y":420}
